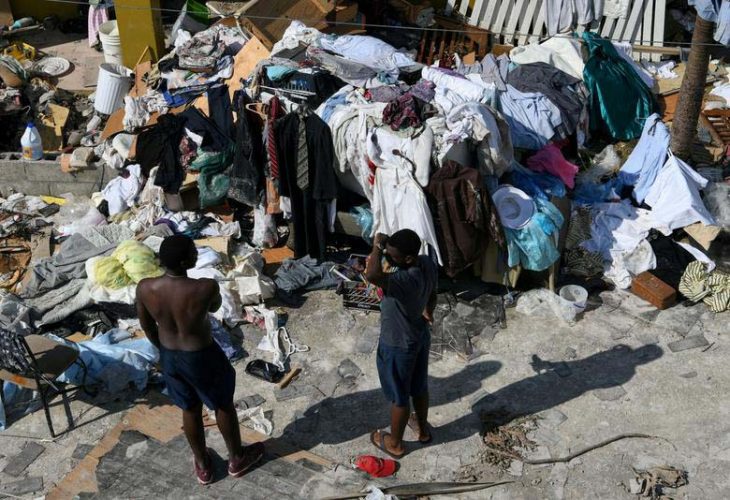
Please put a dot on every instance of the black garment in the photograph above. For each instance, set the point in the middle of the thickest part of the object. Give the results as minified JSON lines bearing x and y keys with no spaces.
{"x":322,"y":83}
{"x":309,"y":207}
{"x":552,"y":83}
{"x":671,"y":259}
{"x":214,"y":139}
{"x":219,"y":106}
{"x":160,"y":145}
{"x":247,"y":173}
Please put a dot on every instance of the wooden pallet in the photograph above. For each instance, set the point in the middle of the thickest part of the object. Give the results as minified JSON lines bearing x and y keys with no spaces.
{"x":717,"y":122}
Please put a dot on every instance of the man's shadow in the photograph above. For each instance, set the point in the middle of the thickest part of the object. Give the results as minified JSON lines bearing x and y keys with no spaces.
{"x":344,"y":418}
{"x":553,"y":384}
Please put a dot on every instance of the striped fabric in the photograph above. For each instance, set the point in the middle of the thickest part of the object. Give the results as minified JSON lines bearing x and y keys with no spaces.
{"x":711,"y":288}
{"x":302,"y":158}
{"x":274,"y":113}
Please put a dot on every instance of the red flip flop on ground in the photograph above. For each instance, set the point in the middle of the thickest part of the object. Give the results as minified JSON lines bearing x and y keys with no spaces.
{"x":376,"y":467}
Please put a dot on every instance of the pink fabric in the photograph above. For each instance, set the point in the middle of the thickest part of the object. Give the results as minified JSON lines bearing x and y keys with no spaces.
{"x":97,"y":17}
{"x":549,"y":159}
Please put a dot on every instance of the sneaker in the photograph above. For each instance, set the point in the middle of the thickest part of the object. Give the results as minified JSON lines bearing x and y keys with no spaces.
{"x":204,"y":474}
{"x":250,"y":457}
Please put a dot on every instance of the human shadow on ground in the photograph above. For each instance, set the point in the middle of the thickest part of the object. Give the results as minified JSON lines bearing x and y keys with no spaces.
{"x":344,"y":418}
{"x":553,"y":384}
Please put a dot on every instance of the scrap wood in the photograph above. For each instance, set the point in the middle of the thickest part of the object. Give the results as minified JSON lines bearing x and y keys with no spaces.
{"x":291,"y":375}
{"x":425,"y":489}
{"x":570,"y":457}
{"x":649,"y":483}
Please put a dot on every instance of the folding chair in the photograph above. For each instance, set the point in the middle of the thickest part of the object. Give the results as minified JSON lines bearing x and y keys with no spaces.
{"x":35,"y":362}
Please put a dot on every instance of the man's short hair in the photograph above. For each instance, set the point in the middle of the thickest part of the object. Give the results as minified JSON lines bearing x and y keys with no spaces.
{"x":406,"y":241}
{"x":175,"y":250}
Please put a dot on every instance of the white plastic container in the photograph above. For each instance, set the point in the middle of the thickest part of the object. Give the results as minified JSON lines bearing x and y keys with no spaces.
{"x":113,"y":84}
{"x":31,"y":143}
{"x":576,"y":295}
{"x":111,"y":42}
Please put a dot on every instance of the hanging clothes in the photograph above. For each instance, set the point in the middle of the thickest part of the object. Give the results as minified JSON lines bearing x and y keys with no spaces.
{"x":399,"y":203}
{"x":246,"y":178}
{"x":718,"y":12}
{"x":306,"y":160}
{"x":160,"y":145}
{"x":619,"y":100}
{"x":98,"y":15}
{"x":647,"y":158}
{"x":465,"y":216}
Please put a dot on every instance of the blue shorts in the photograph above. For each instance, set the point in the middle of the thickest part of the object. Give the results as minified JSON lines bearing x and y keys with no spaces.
{"x":403,"y":373}
{"x":203,"y":376}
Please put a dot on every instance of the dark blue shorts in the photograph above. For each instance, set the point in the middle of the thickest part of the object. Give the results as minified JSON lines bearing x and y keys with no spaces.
{"x":193,"y":377}
{"x":403,"y":373}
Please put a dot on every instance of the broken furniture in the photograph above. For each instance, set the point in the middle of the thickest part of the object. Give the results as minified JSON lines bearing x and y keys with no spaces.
{"x":35,"y":362}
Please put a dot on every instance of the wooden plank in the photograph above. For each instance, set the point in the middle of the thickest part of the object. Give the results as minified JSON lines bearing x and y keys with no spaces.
{"x":539,"y":24}
{"x":660,"y":10}
{"x":463,"y":7}
{"x":647,"y":23}
{"x":488,"y":16}
{"x":498,"y":24}
{"x":518,"y":11}
{"x":527,"y":19}
{"x":632,"y":26}
{"x":608,"y":23}
{"x":476,"y":12}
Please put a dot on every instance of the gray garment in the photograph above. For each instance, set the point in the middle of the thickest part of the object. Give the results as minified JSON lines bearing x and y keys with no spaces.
{"x":406,"y":296}
{"x":558,"y":15}
{"x":351,"y":72}
{"x":68,"y":264}
{"x":495,"y":69}
{"x":62,"y":302}
{"x":304,"y":273}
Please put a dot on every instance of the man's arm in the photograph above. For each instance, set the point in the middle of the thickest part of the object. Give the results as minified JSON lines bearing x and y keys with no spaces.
{"x":430,"y":306}
{"x":374,"y":269}
{"x":217,"y":300}
{"x":149,"y":325}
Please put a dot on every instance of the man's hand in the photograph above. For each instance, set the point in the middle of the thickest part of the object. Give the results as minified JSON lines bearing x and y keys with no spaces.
{"x":380,"y":240}
{"x":428,"y":316}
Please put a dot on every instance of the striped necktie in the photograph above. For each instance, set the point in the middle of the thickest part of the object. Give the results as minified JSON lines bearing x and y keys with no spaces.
{"x":302,"y":157}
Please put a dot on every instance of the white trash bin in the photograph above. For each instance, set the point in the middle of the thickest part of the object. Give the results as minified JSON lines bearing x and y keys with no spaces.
{"x":110,"y":42}
{"x":113,"y":84}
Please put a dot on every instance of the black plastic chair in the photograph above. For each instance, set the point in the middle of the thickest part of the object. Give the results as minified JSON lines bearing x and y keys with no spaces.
{"x":35,"y":362}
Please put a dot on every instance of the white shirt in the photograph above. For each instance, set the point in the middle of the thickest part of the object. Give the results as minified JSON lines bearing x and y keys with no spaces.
{"x":675,"y":197}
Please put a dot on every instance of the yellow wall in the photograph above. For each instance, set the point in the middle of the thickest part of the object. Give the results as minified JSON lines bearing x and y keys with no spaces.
{"x":42,"y":8}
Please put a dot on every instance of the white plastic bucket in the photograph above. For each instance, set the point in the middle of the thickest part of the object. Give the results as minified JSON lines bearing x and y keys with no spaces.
{"x":111,"y":87}
{"x":576,"y":295}
{"x":110,"y":41}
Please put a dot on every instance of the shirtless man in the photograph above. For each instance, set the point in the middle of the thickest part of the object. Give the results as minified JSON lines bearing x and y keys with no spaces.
{"x":173,"y":310}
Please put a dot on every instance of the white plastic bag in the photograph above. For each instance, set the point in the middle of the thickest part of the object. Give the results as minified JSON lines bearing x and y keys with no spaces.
{"x":264,"y":229}
{"x":543,"y":302}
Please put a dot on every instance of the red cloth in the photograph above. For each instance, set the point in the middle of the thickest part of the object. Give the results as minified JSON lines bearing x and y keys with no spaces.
{"x":274,"y":113}
{"x":376,"y":467}
{"x":549,"y":159}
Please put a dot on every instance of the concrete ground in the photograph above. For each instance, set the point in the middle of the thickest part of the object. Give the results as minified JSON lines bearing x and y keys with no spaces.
{"x":614,"y":372}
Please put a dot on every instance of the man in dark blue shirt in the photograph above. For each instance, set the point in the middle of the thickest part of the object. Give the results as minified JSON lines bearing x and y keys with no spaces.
{"x":405,"y":339}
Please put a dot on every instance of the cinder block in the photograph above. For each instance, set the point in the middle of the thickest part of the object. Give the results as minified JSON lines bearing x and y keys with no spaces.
{"x":24,"y":186}
{"x":75,"y":188}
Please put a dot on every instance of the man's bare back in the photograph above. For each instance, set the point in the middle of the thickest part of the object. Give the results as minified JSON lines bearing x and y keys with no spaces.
{"x":173,"y":310}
